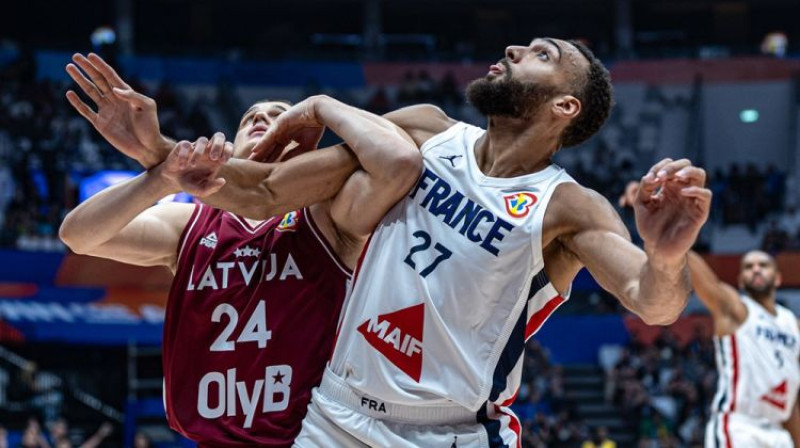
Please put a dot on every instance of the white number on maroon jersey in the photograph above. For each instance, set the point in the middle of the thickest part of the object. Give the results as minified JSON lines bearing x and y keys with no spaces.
{"x":255,"y":330}
{"x":222,"y":344}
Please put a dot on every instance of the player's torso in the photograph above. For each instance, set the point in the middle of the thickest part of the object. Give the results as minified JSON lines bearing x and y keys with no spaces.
{"x":444,"y":282}
{"x":758,"y":365}
{"x":249,"y":327}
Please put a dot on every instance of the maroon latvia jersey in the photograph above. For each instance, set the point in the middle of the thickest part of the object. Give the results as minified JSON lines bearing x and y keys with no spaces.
{"x":249,"y":327}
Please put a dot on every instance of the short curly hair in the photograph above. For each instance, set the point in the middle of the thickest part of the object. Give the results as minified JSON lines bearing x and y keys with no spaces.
{"x":596,"y":95}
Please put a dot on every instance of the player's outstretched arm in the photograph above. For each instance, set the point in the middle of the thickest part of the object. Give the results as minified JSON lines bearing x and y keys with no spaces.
{"x":263,"y":190}
{"x":420,"y":121}
{"x":671,"y":207}
{"x":390,"y":161}
{"x":125,"y":118}
{"x":721,"y":299}
{"x":121,"y":223}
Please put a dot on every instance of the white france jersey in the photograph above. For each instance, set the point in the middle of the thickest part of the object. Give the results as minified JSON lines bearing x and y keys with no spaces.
{"x":758,"y":366}
{"x":451,"y":284}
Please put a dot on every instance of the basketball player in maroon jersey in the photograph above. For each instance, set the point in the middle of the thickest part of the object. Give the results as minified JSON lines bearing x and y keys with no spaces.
{"x":254,"y":306}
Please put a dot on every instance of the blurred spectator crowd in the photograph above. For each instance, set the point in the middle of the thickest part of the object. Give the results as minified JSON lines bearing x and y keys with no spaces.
{"x":45,"y":147}
{"x":664,"y":389}
{"x":548,"y":418}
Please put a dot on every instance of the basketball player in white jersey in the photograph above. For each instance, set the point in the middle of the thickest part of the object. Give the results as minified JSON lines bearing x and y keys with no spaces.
{"x":473,"y":260}
{"x":757,"y":346}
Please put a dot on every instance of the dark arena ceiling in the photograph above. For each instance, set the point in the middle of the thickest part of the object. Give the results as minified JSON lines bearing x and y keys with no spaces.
{"x":411,"y":29}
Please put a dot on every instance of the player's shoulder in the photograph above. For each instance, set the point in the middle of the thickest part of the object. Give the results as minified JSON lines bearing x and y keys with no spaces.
{"x":421,"y":121}
{"x":574,"y":207}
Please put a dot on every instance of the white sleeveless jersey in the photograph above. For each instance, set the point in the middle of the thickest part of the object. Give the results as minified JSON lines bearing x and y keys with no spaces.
{"x":451,"y":284}
{"x":758,"y":366}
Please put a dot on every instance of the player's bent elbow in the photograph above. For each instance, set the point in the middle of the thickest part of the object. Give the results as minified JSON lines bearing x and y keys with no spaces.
{"x":660,"y":318}
{"x":407,"y":162}
{"x":67,"y":234}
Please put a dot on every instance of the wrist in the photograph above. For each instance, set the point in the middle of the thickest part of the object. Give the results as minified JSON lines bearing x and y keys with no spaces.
{"x":664,"y":262}
{"x":156,"y":152}
{"x":160,"y":183}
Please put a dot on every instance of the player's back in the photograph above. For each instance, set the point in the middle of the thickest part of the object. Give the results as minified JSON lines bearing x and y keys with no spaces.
{"x":249,"y":327}
{"x":758,"y":367}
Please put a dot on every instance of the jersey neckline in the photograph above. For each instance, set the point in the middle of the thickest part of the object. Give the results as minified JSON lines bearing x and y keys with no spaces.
{"x":478,"y":175}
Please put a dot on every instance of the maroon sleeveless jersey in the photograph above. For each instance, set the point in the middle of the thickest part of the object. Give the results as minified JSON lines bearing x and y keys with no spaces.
{"x":249,"y":327}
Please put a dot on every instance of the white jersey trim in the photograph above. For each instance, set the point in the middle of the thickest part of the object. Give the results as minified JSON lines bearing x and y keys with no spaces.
{"x":312,"y":224}
{"x":197,"y":212}
{"x":251,"y":229}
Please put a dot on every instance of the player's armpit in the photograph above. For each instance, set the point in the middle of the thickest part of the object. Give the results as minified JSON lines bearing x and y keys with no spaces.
{"x":421,"y":121}
{"x":588,"y":226}
{"x":721,"y":299}
{"x":263,"y":190}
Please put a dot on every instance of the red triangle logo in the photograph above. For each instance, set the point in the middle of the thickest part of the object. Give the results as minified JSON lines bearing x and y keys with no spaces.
{"x":398,"y":337}
{"x":776,"y":396}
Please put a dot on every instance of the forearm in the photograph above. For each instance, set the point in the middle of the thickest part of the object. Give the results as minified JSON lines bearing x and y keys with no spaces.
{"x":381,"y":146}
{"x":262,"y":190}
{"x":105,"y":214}
{"x":662,"y":291}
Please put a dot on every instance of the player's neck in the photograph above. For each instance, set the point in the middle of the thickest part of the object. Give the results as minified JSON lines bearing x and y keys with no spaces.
{"x":513,"y":147}
{"x":767,"y":301}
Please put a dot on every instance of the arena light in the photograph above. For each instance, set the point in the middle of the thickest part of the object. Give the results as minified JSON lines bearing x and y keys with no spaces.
{"x":748,"y":115}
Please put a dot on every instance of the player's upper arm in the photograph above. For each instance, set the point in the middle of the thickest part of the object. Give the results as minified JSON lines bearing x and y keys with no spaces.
{"x":586,"y":224}
{"x":150,"y":239}
{"x":719,"y":297}
{"x":366,"y":197}
{"x":421,"y":121}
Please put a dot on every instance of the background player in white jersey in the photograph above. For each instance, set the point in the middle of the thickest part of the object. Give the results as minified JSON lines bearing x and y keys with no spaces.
{"x":469,"y":265}
{"x":757,"y":345}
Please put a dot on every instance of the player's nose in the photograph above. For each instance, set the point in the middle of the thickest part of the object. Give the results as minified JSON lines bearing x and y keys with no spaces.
{"x":514,"y":53}
{"x":263,"y":117}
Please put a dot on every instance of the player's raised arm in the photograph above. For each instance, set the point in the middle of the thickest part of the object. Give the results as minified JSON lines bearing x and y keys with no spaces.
{"x":389,"y":159}
{"x":671,"y":207}
{"x":121,"y":222}
{"x":125,"y":118}
{"x":720,"y":298}
{"x":263,"y":190}
{"x":420,"y":121}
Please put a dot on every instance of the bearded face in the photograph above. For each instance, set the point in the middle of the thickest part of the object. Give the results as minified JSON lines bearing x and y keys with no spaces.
{"x":504,"y":96}
{"x":759,"y":275}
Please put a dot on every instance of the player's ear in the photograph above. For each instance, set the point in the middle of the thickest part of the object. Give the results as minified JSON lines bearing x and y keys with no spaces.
{"x":566,"y":106}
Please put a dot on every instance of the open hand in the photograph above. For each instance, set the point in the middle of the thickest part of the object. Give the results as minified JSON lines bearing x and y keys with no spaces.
{"x":124,"y":117}
{"x":194,"y":167}
{"x":297,"y":130}
{"x":671,"y":205}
